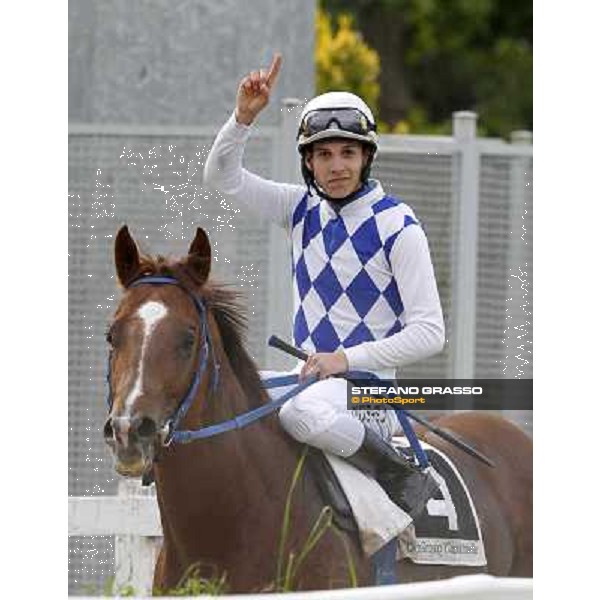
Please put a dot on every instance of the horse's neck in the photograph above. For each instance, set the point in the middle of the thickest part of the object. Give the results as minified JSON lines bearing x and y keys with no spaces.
{"x":217,"y":481}
{"x":214,"y":494}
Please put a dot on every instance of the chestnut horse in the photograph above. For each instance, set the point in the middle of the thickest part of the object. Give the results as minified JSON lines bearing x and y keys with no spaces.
{"x":177,"y":341}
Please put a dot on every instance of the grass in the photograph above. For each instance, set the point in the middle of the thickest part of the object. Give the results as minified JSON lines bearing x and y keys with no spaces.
{"x":192,"y":583}
{"x":109,"y":589}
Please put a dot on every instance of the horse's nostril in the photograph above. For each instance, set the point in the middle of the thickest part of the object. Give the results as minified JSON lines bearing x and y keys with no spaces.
{"x":108,"y":430}
{"x":147,"y":428}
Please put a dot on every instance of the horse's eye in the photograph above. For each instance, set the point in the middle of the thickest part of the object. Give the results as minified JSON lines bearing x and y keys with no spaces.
{"x":187,"y":342}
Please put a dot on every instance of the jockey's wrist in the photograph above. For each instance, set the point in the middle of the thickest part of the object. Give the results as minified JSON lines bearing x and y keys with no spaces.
{"x":344,"y":360}
{"x":244,"y":118}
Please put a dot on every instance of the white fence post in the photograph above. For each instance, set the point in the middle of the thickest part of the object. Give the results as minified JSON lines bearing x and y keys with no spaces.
{"x":135,"y":555}
{"x":287,"y":169}
{"x":464,"y":305}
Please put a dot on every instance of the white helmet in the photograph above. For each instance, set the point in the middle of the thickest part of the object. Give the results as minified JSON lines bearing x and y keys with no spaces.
{"x":336,"y":115}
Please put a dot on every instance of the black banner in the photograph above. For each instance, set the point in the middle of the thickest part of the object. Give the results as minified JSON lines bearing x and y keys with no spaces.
{"x":441,"y":394}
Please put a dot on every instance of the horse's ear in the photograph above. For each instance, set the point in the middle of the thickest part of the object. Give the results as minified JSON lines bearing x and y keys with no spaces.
{"x":127,"y":258}
{"x":199,"y":256}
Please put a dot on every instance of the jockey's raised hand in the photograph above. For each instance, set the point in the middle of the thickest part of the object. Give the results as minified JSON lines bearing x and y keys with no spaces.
{"x":254,"y":91}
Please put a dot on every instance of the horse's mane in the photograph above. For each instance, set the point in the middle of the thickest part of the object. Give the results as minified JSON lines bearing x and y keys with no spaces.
{"x":228,"y":311}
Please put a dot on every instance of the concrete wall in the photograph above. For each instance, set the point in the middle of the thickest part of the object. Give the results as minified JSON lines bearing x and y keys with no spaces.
{"x":178,"y":62}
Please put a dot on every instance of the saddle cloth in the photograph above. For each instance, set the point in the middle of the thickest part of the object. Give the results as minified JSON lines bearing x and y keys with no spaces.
{"x":446,"y":533}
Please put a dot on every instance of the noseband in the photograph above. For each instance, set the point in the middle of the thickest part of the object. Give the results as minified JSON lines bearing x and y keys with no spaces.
{"x":206,"y":349}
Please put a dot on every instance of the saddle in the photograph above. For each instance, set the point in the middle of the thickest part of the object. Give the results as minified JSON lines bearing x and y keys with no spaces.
{"x":331,"y":491}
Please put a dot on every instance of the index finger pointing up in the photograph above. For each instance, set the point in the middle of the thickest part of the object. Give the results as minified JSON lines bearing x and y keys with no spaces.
{"x":274,"y":70}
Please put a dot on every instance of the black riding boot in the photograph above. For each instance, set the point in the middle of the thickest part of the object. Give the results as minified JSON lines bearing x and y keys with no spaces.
{"x":408,"y":487}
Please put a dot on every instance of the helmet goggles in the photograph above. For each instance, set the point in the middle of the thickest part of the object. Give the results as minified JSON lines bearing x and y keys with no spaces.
{"x":351,"y":120}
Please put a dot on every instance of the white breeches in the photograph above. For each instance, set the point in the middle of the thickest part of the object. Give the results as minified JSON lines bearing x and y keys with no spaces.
{"x":319,"y":416}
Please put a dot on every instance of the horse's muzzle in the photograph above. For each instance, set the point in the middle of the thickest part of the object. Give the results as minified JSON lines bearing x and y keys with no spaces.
{"x":132,"y":440}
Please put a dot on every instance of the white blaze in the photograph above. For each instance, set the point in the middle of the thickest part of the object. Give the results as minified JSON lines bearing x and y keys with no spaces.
{"x":150,"y":313}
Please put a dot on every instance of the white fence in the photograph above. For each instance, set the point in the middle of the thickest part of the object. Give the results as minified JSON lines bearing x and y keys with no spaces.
{"x":133,"y":518}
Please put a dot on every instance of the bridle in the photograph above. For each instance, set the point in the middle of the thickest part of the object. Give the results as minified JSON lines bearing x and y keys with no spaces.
{"x":206,"y":349}
{"x":170,"y":432}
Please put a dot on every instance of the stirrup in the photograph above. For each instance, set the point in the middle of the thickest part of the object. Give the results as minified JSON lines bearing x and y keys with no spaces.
{"x":410,"y":492}
{"x":402,"y":481}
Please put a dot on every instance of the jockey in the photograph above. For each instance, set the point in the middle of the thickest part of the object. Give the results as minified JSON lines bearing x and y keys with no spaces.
{"x":365,"y":296}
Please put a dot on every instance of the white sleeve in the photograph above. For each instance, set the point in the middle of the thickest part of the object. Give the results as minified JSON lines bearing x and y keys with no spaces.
{"x":423,"y":334}
{"x":223,"y":170}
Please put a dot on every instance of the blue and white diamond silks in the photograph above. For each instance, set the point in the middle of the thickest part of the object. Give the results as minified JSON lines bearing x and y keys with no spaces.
{"x":344,"y":289}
